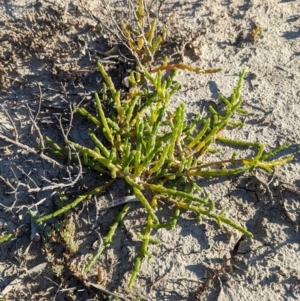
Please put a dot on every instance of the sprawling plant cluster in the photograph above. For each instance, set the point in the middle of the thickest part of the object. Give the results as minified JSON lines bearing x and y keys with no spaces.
{"x":139,"y":137}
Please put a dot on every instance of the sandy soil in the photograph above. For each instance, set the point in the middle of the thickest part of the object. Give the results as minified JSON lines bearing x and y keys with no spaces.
{"x":48,"y":53}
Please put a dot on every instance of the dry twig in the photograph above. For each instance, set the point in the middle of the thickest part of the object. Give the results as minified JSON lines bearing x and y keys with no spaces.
{"x":31,"y":150}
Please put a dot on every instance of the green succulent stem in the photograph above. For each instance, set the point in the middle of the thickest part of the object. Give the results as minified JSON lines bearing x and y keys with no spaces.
{"x":220,"y":218}
{"x":5,"y":238}
{"x":142,"y":253}
{"x":78,"y":200}
{"x":107,"y":240}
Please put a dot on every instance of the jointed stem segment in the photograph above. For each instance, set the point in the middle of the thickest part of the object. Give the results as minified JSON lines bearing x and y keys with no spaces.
{"x":72,"y":205}
{"x":107,"y":240}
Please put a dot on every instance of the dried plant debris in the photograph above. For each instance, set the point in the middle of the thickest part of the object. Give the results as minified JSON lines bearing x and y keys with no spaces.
{"x":42,"y":37}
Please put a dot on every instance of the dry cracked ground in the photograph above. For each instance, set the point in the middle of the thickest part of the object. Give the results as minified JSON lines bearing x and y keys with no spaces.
{"x":48,"y":54}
